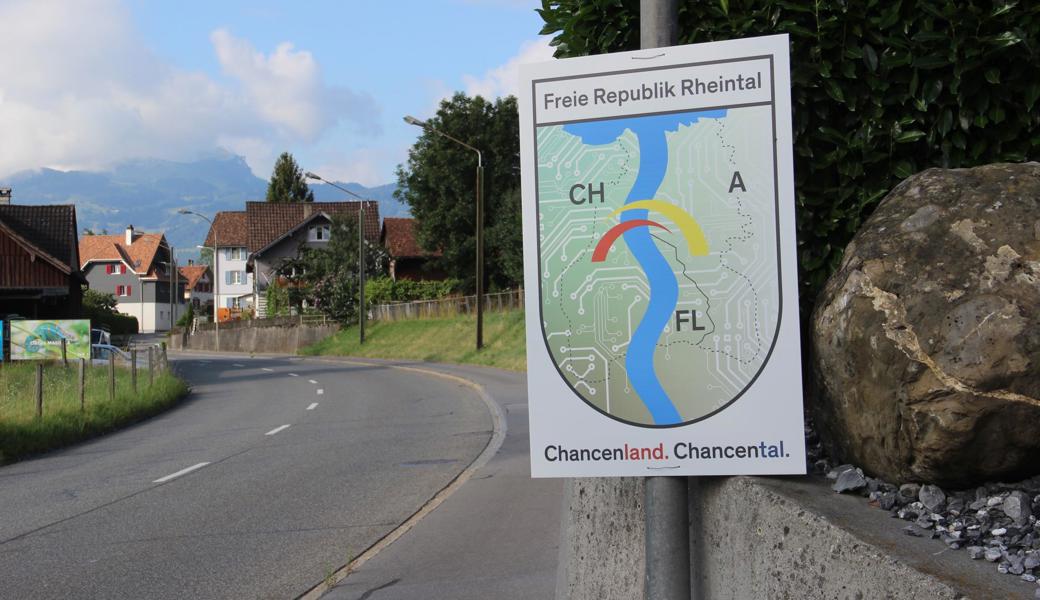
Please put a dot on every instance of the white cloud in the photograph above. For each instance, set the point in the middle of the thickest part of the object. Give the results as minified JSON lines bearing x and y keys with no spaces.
{"x":79,"y":88}
{"x":504,"y":80}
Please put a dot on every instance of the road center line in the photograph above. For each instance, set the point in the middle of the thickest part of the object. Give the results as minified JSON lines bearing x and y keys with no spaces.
{"x":312,"y":406}
{"x":312,"y":381}
{"x":181,"y":472}
{"x":266,"y":369}
{"x":320,"y":391}
{"x":276,"y":430}
{"x":293,"y":375}
{"x":238,"y":365}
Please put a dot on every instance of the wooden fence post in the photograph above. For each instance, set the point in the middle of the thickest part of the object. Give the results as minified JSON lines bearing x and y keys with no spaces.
{"x":163,"y":363}
{"x":82,"y":384}
{"x":111,"y":377}
{"x":133,"y":369}
{"x":65,"y":352}
{"x":151,"y":365}
{"x":39,"y":390}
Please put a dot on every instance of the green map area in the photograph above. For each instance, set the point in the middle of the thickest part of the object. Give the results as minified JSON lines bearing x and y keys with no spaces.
{"x":720,"y":172}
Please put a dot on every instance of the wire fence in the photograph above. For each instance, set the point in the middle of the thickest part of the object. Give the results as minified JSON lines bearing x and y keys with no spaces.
{"x":447,"y":307}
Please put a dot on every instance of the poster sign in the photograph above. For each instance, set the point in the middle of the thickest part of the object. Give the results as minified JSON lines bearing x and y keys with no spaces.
{"x":41,"y":340}
{"x":660,"y":262}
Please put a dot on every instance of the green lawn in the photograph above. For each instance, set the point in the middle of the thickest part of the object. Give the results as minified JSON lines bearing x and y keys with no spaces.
{"x":446,"y":340}
{"x":23,"y":434}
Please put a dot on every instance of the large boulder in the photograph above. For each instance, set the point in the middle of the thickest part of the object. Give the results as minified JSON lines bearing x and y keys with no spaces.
{"x":927,"y":339}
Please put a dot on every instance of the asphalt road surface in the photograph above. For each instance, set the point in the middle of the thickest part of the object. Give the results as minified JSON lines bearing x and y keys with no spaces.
{"x":275,"y":473}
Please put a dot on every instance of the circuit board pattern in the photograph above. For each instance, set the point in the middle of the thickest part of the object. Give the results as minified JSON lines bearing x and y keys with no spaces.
{"x":590,"y":310}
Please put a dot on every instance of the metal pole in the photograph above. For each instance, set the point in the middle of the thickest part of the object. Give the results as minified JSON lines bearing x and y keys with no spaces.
{"x":216,"y":296}
{"x":480,"y":251}
{"x":361,"y":270}
{"x":172,"y":283}
{"x":667,"y":498}
{"x":133,"y":369}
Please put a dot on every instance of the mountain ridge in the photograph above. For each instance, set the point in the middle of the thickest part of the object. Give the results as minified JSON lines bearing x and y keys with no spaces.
{"x":148,"y":192}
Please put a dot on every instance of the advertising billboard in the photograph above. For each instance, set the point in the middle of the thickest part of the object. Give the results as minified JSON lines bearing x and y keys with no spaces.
{"x":41,"y":340}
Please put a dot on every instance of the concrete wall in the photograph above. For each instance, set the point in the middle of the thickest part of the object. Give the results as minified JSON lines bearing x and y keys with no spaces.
{"x":254,"y":336}
{"x":758,"y":537}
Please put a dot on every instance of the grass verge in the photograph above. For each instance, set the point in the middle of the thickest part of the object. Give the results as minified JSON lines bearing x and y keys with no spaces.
{"x":63,"y":423}
{"x":446,"y":340}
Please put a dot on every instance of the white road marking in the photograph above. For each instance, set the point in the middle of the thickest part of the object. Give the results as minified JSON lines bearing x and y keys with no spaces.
{"x":312,"y":406}
{"x":276,"y":430}
{"x":238,"y":365}
{"x":266,"y":369}
{"x":320,"y":391}
{"x":181,"y":472}
{"x":293,"y":375}
{"x":312,"y":381}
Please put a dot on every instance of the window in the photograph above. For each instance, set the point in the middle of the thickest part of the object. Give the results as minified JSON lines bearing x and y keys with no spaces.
{"x":123,"y":291}
{"x":236,"y":253}
{"x":234,"y":303}
{"x":116,"y":269}
{"x":235,"y":277}
{"x":320,"y":233}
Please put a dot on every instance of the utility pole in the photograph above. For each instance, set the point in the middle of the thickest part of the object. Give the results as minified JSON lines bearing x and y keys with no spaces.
{"x":361,"y":270}
{"x":667,"y":498}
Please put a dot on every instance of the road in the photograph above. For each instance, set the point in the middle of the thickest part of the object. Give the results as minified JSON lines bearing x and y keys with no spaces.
{"x":270,"y":477}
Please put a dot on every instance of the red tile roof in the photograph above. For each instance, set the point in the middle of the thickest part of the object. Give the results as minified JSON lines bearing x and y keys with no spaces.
{"x":399,"y":239}
{"x":270,"y":220}
{"x":139,"y":256}
{"x":192,"y":274}
{"x":230,"y":227}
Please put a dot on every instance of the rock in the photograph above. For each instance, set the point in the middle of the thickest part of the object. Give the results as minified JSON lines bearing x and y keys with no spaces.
{"x":998,"y":532}
{"x":909,"y":491}
{"x":1031,"y":561}
{"x":836,"y":471}
{"x":1028,"y":577}
{"x":994,"y":501}
{"x":849,"y":480}
{"x":887,"y":501}
{"x":925,"y":340}
{"x":975,"y":552}
{"x":992,"y":554}
{"x":932,"y":497}
{"x":912,"y":531}
{"x":1019,"y":507}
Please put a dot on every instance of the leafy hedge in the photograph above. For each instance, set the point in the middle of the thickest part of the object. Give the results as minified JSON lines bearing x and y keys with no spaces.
{"x":880,"y":90}
{"x":385,"y":290}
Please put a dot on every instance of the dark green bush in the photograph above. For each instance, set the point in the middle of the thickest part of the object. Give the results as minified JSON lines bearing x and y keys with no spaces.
{"x":385,"y":290}
{"x":880,"y":90}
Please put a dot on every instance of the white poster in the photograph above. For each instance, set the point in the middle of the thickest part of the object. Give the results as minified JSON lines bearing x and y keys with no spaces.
{"x":660,"y":262}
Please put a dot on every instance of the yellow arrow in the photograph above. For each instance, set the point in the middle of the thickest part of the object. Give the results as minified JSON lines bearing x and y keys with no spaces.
{"x":691,"y":230}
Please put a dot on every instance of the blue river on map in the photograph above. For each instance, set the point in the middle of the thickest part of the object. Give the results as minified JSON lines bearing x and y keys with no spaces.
{"x":664,"y":288}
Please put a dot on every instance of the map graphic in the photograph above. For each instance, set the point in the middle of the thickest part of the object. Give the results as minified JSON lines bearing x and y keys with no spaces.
{"x":658,"y":259}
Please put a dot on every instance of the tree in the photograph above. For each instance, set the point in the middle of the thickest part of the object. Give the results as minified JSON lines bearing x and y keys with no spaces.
{"x":439,"y":183}
{"x":287,"y":182}
{"x":327,"y":278}
{"x":206,"y":256}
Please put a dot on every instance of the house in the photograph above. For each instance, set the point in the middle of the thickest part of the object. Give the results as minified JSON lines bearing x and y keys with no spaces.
{"x":40,"y":275}
{"x":233,"y":285}
{"x":135,"y":267}
{"x":198,"y":286}
{"x":407,"y":259}
{"x":278,"y":230}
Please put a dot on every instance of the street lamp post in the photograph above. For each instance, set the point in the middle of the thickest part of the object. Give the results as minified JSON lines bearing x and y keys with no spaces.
{"x":361,"y":254}
{"x":216,"y":271}
{"x":480,"y":222}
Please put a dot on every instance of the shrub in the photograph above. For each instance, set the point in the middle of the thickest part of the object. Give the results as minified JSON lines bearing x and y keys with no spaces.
{"x":385,"y":290}
{"x":880,"y":91}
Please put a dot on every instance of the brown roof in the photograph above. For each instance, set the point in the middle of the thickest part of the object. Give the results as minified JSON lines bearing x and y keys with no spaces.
{"x":399,"y":239}
{"x":270,"y":220}
{"x":139,"y":256}
{"x":192,"y":274}
{"x":230,"y":227}
{"x":50,"y":229}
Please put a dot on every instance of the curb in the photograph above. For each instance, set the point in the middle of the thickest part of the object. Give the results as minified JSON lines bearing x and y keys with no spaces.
{"x":494,"y":443}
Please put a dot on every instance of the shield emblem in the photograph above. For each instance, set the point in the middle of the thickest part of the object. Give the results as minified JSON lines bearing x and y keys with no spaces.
{"x":659,"y":263}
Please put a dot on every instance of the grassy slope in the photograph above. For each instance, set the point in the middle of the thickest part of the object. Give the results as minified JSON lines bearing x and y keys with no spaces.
{"x":21,"y":434}
{"x":448,"y":340}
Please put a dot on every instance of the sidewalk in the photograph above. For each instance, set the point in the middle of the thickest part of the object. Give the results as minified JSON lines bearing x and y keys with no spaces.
{"x":496,"y":537}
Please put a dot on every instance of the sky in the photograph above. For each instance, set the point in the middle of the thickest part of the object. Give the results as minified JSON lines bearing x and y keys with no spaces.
{"x":90,"y":83}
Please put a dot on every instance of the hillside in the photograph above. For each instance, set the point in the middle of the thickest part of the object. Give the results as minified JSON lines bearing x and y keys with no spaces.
{"x":147,"y":193}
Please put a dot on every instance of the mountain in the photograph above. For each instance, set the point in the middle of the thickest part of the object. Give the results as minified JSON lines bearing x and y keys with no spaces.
{"x":147,"y":193}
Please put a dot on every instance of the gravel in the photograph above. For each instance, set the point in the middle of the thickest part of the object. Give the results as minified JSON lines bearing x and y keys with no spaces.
{"x":996,"y":522}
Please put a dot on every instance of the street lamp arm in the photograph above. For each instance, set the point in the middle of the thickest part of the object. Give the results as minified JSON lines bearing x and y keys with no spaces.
{"x":310,"y":175}
{"x":480,"y":157}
